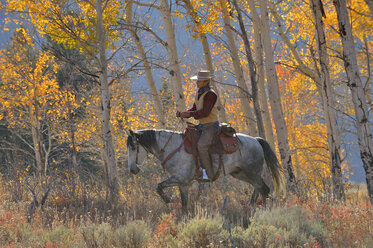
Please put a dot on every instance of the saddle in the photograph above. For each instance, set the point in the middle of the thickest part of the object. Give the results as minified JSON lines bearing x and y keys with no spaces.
{"x":224,"y":142}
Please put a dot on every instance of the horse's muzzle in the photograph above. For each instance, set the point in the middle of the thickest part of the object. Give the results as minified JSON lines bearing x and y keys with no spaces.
{"x":134,"y":170}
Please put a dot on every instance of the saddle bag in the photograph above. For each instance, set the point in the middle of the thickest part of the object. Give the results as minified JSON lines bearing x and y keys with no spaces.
{"x":225,"y":141}
{"x":229,"y":143}
{"x":227,"y":129}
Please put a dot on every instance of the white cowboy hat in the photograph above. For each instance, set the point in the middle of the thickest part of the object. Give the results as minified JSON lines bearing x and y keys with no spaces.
{"x":202,"y":75}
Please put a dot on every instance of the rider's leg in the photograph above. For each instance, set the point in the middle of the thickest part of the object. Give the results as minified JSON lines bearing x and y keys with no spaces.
{"x":208,"y":132}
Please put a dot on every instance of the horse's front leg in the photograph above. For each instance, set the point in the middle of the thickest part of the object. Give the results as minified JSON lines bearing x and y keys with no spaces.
{"x":184,"y":197}
{"x":172,"y":181}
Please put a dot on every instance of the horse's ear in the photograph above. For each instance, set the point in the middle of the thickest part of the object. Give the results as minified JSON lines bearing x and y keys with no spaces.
{"x":129,"y":132}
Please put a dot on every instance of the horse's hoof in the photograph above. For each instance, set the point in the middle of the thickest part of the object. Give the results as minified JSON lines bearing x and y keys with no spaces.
{"x":173,"y":198}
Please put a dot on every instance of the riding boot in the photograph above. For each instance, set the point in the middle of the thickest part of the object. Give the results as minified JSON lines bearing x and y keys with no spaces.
{"x":206,"y":163}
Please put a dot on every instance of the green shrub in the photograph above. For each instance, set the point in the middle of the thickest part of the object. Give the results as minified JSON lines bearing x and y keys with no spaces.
{"x":60,"y":235}
{"x":134,"y":234}
{"x":297,"y":227}
{"x":97,"y":235}
{"x":202,"y":232}
{"x":25,"y":233}
{"x":256,"y":236}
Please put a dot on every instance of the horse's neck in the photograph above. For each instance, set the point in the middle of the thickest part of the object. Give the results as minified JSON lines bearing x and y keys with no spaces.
{"x":167,"y":142}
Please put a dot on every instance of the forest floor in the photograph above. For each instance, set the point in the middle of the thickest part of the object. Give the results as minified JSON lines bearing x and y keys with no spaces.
{"x":75,"y":213}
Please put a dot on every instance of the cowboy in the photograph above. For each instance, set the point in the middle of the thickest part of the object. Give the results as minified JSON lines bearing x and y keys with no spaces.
{"x":205,"y":111}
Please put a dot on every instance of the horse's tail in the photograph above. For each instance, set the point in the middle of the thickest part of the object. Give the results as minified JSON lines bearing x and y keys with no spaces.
{"x":273,"y":165}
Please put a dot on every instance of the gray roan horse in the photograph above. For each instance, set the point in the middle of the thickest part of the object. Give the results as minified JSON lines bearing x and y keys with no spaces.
{"x":246,"y":164}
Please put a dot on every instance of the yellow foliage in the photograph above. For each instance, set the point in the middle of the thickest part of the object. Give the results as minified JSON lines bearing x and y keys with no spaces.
{"x":29,"y":92}
{"x":73,"y":27}
{"x":205,"y":16}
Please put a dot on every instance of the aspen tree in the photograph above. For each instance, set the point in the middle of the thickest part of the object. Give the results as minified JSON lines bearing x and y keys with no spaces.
{"x":329,"y":103}
{"x":140,"y":48}
{"x":243,"y":91}
{"x":174,"y":64}
{"x":89,"y":30}
{"x":107,"y":137}
{"x":30,"y":95}
{"x":364,"y":132}
{"x":252,"y":72}
{"x":275,"y":100}
{"x":258,"y":47}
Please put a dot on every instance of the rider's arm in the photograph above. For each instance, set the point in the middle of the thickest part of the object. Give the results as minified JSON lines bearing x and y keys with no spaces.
{"x":194,"y":108}
{"x":209,"y":101}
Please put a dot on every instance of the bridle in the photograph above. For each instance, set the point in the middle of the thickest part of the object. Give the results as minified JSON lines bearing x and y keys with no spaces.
{"x":137,"y":144}
{"x":137,"y":151}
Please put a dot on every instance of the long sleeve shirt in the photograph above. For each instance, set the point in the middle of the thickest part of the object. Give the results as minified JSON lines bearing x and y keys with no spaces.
{"x":209,"y":101}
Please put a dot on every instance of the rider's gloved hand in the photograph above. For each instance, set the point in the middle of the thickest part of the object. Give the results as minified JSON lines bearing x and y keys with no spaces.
{"x":185,"y":115}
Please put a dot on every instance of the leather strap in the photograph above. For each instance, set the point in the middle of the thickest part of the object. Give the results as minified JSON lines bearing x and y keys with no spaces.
{"x":171,"y":155}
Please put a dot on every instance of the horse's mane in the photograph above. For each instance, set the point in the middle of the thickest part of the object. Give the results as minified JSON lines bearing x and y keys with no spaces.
{"x":147,"y":137}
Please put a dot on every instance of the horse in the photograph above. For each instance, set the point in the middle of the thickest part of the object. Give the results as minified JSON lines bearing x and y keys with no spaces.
{"x":245,"y":164}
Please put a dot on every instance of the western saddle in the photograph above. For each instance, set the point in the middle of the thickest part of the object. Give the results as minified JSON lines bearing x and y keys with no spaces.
{"x":224,"y":142}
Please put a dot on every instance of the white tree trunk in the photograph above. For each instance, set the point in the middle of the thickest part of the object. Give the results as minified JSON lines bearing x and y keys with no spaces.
{"x":106,"y":135}
{"x":270,"y":137}
{"x":174,"y":69}
{"x":329,"y":103}
{"x":243,"y":91}
{"x":275,"y":100}
{"x":357,"y":91}
{"x":140,"y":48}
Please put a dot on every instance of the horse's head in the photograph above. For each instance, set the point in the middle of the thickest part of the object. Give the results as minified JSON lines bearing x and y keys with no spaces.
{"x":136,"y":152}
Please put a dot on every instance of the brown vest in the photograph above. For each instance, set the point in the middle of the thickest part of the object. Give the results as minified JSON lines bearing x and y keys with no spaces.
{"x":214,"y":114}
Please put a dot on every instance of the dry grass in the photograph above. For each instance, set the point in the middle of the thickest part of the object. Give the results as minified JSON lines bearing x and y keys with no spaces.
{"x":76,"y":214}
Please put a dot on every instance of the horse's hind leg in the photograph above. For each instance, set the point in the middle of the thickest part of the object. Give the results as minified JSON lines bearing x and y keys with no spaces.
{"x":262,"y":188}
{"x":257,"y":182}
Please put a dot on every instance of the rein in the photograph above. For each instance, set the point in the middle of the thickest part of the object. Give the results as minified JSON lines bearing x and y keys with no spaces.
{"x":169,"y":156}
{"x":178,"y":125}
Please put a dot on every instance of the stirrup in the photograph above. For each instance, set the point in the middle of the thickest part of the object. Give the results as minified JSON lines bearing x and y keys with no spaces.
{"x":204,"y":178}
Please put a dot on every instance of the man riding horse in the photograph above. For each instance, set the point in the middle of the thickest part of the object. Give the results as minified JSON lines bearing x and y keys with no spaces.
{"x":205,"y":111}
{"x":245,"y":164}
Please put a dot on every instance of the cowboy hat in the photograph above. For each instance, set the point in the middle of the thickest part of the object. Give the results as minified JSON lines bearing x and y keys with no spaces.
{"x":202,"y":75}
